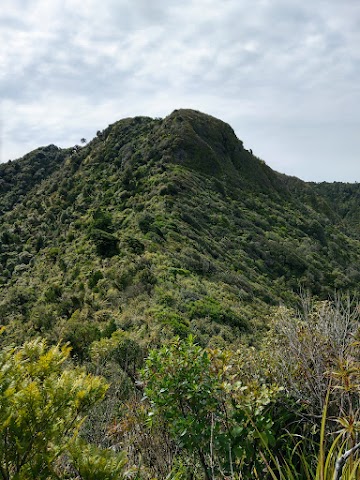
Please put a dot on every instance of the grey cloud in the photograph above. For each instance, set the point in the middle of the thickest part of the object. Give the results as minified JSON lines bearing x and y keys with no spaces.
{"x":253,"y":63}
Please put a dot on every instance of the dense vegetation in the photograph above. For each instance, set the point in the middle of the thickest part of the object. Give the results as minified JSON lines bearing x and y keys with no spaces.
{"x":169,"y":231}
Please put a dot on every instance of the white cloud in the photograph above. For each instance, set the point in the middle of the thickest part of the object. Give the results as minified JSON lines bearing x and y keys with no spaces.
{"x":285,"y":75}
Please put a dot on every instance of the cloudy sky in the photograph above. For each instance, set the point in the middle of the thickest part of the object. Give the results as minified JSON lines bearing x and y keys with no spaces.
{"x":284,"y":73}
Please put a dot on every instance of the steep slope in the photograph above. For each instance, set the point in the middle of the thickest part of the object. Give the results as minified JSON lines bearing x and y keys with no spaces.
{"x":162,"y":227}
{"x":20,"y":177}
{"x":344,"y":199}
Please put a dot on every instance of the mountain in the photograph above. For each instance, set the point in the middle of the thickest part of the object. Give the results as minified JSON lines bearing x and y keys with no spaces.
{"x":161,"y":227}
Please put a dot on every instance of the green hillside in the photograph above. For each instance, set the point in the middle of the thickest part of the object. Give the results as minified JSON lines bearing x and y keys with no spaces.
{"x":162,"y":227}
{"x":170,"y":260}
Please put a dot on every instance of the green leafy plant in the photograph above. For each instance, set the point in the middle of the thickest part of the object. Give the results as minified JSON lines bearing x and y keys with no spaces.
{"x":91,"y":462}
{"x":43,"y":403}
{"x":182,"y":387}
{"x":208,"y":411}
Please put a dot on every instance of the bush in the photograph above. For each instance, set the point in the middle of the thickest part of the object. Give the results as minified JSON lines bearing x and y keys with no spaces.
{"x":92,"y":462}
{"x":94,"y":278}
{"x":145,"y":222}
{"x":208,"y":307}
{"x":80,"y":333}
{"x":107,"y":245}
{"x":135,"y":246}
{"x":42,"y":407}
{"x":209,"y":413}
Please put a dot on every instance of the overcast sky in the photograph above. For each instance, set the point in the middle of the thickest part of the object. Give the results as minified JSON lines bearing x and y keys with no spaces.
{"x":284,"y":73}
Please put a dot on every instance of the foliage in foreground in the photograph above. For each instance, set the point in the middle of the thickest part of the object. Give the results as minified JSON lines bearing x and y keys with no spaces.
{"x":197,"y":413}
{"x":243,"y":425}
{"x":43,"y":403}
{"x":210,"y":413}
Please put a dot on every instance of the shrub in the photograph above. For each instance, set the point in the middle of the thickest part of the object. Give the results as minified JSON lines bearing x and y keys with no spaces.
{"x":208,"y":411}
{"x":135,"y":246}
{"x":208,"y":307}
{"x":145,"y":222}
{"x":107,"y":245}
{"x":80,"y":333}
{"x":42,"y":407}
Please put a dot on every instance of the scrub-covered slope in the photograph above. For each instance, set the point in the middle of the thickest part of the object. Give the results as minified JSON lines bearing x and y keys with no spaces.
{"x":161,"y":227}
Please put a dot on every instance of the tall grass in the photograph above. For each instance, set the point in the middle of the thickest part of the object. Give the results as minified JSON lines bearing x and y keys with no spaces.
{"x":334,"y":461}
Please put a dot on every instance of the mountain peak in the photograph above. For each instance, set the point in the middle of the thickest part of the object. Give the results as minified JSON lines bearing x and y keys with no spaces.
{"x":168,"y":223}
{"x":200,"y":121}
{"x":210,"y":146}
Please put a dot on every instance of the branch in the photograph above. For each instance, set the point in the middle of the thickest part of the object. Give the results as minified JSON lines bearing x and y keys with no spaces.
{"x":340,"y":462}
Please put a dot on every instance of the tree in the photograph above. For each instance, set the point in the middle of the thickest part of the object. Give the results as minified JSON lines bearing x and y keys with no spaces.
{"x":182,"y":388}
{"x":42,"y":406}
{"x":198,"y":394}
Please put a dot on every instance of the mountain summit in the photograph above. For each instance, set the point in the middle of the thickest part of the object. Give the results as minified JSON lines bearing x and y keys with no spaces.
{"x":161,"y":227}
{"x":208,"y":145}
